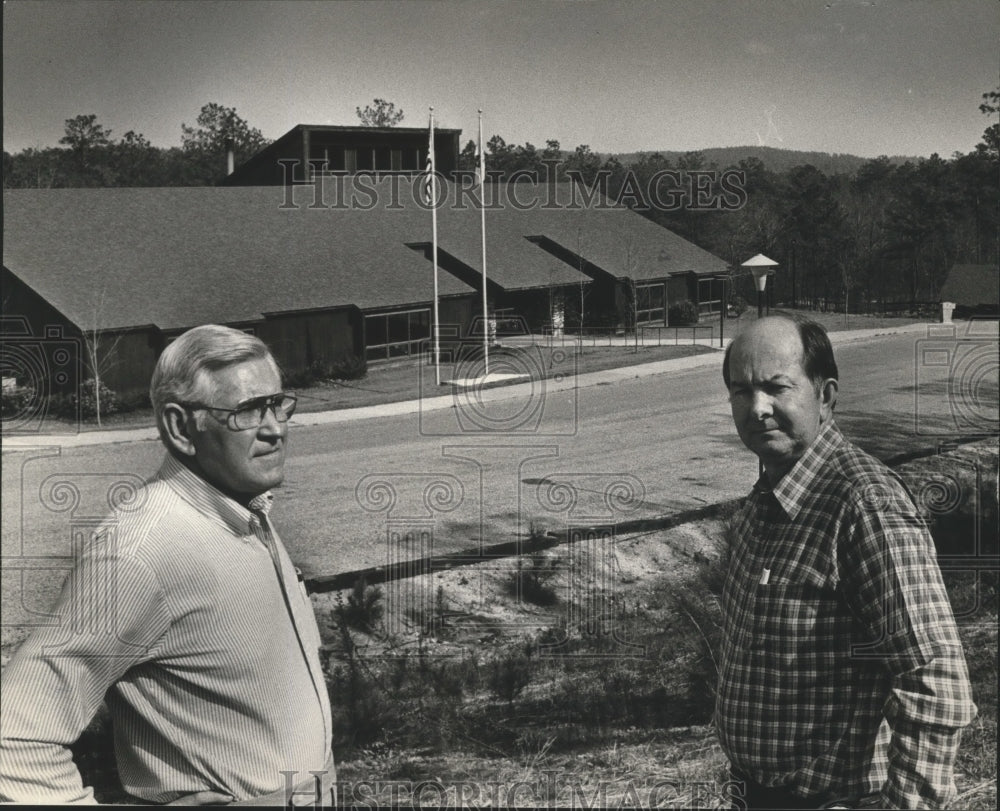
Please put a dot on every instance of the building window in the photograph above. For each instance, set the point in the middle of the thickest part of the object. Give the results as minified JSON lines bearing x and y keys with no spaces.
{"x":709,"y":295}
{"x":651,"y":303}
{"x":411,"y":160}
{"x":328,"y":159}
{"x":383,"y":159}
{"x":396,"y":335}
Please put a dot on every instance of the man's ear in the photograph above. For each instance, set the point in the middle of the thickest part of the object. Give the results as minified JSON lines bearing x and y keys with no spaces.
{"x":178,"y":425}
{"x":828,"y":398}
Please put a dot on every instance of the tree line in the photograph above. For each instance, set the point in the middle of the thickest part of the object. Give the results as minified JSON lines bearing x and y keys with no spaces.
{"x":90,"y":157}
{"x":883,"y":236}
{"x":887,"y":233}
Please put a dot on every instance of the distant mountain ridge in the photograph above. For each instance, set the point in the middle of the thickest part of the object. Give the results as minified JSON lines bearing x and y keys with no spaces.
{"x":776,"y":160}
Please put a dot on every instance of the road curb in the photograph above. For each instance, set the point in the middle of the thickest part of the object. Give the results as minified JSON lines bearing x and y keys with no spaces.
{"x":430,"y":564}
{"x":442,"y":401}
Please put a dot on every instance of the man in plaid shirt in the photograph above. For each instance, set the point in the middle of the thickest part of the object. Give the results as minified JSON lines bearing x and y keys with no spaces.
{"x":843,"y":682}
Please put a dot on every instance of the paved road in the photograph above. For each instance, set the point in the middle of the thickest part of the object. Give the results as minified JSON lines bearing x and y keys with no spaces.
{"x":551,"y":457}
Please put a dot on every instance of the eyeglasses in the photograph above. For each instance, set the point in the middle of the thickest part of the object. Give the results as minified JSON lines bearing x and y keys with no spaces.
{"x":251,"y":413}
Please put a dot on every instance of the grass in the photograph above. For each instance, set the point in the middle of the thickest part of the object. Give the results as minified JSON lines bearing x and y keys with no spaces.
{"x":976,"y":765}
{"x":588,"y":733}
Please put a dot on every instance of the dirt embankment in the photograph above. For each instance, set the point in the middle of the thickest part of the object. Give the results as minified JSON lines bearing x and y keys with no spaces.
{"x":956,"y":490}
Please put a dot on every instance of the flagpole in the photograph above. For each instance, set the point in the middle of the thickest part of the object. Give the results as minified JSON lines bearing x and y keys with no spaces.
{"x":482,"y":217}
{"x":434,"y":250}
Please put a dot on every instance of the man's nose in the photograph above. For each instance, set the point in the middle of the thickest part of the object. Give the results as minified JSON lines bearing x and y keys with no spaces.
{"x":270,"y":425}
{"x":760,"y":405}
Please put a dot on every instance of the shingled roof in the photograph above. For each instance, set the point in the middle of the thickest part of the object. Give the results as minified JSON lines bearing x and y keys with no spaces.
{"x":175,"y":257}
{"x":972,"y":285}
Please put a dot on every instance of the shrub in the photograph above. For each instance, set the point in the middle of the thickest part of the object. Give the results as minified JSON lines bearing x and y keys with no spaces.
{"x":298,"y":379}
{"x":348,"y":367}
{"x":510,"y":674}
{"x":17,"y":401}
{"x":682,"y":314}
{"x":532,"y":578}
{"x":84,"y":401}
{"x":737,"y":305}
{"x":134,"y":401}
{"x":363,"y":608}
{"x":345,"y":367}
{"x":360,"y":711}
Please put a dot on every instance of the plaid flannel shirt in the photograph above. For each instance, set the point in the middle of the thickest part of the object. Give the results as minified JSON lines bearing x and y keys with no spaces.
{"x":842,"y":671}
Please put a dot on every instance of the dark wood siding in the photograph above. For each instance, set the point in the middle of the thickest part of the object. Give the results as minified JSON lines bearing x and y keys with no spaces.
{"x":459,"y":311}
{"x":345,"y":149}
{"x":300,"y":339}
{"x":130,"y":359}
{"x":126,"y":358}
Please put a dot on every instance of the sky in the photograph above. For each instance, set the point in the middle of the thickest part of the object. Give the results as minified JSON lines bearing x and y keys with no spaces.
{"x":894,"y":77}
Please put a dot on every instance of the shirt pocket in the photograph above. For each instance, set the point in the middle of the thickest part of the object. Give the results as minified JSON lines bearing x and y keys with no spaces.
{"x":785,"y":617}
{"x":801,"y":629}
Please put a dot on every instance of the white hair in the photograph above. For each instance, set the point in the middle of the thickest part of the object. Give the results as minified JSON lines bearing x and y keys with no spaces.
{"x":184,"y":365}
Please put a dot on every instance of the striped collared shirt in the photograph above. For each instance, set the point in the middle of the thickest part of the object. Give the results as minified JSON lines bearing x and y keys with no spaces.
{"x":210,"y":664}
{"x":842,"y":671}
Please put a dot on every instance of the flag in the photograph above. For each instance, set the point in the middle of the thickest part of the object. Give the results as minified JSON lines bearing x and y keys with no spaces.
{"x":480,"y":180}
{"x":428,"y":182}
{"x":480,"y":157}
{"x":430,"y":189}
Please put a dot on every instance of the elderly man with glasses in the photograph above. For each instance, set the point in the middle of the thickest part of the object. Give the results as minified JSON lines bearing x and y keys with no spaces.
{"x":185,"y":613}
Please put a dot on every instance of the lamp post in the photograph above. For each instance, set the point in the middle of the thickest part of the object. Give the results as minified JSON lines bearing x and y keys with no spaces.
{"x":760,"y":266}
{"x":722,"y":313}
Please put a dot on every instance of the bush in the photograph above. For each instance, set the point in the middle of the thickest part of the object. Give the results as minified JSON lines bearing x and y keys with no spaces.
{"x":17,"y":401}
{"x":361,"y":712}
{"x":345,"y":367}
{"x":510,"y":674}
{"x":531,"y":579}
{"x":737,"y":306}
{"x":408,"y":697}
{"x":348,"y":367}
{"x":363,"y":608}
{"x":134,"y":401}
{"x":84,"y":400}
{"x":682,"y":314}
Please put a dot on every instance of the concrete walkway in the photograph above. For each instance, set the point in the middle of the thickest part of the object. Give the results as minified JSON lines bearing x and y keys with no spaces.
{"x":452,"y":398}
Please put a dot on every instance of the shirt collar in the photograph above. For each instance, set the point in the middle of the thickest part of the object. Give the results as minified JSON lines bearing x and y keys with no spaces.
{"x":796,"y":485}
{"x":209,"y":500}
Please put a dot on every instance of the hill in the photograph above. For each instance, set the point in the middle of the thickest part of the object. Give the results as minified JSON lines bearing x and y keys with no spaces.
{"x":777,"y":160}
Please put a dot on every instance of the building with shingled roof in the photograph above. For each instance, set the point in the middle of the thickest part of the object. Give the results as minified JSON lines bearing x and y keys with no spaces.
{"x":974,"y":289}
{"x":322,"y":272}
